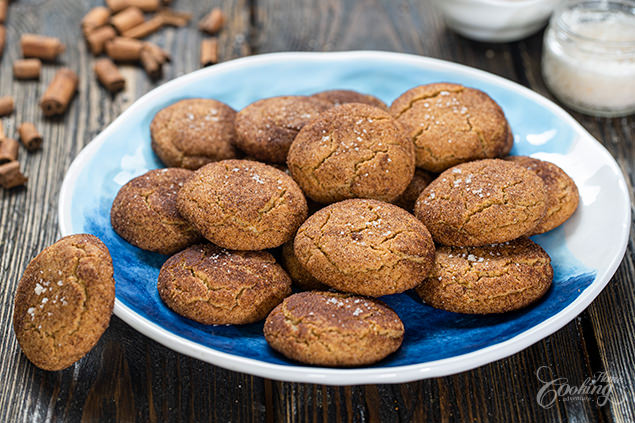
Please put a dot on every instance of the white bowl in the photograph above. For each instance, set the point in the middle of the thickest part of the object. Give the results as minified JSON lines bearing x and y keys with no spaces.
{"x":496,"y":20}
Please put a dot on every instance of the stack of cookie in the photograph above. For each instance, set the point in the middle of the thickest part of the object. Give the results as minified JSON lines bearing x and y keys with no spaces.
{"x":363,"y":199}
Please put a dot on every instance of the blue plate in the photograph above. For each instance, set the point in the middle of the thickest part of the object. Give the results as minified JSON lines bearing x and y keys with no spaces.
{"x":585,"y":251}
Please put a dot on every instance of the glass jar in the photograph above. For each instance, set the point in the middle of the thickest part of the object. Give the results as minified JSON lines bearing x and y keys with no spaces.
{"x":588,"y":57}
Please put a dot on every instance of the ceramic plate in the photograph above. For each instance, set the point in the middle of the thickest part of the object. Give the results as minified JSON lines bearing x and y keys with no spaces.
{"x":585,"y":251}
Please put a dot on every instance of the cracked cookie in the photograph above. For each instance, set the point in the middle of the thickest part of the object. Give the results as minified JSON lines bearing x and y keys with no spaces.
{"x":299,"y":275}
{"x":365,"y":247}
{"x":333,"y":329}
{"x":144,"y":212}
{"x":339,"y":97}
{"x":490,"y":279}
{"x":451,"y":124}
{"x":482,"y":202}
{"x":64,"y":301}
{"x":191,"y":133}
{"x":352,"y":151}
{"x":212,"y":285}
{"x":243,"y":205}
{"x":562,"y":192}
{"x":419,"y":182}
{"x":267,"y":127}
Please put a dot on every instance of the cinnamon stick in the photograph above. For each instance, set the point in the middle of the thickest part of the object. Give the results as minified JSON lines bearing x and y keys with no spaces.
{"x":159,"y":54}
{"x":3,"y":35}
{"x":59,"y":93}
{"x":145,"y":5}
{"x":146,"y":28}
{"x":1,"y":131}
{"x":109,"y":76}
{"x":122,"y":49}
{"x":97,"y":39}
{"x":6,"y":105}
{"x":10,"y":175}
{"x":4,"y":5}
{"x":151,"y":65}
{"x":8,"y":150}
{"x":209,"y":51}
{"x":213,"y":21}
{"x":174,"y":18}
{"x":127,"y":18}
{"x":95,"y":18}
{"x":27,"y":69}
{"x":30,"y":137}
{"x":45,"y":48}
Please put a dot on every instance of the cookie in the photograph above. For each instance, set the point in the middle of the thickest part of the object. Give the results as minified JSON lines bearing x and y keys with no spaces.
{"x":451,"y":124}
{"x":212,"y":285}
{"x":352,"y":151}
{"x":333,"y":329}
{"x":266,"y":128}
{"x":299,"y":275}
{"x":243,"y":205}
{"x":191,"y":133}
{"x":64,"y":301}
{"x":562,"y":192}
{"x":365,"y":247}
{"x":419,"y":182}
{"x":489,"y":279}
{"x":339,"y":97}
{"x":482,"y":202}
{"x":144,"y":212}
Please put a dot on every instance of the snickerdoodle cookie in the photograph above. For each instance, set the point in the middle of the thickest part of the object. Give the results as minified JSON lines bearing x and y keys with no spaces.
{"x":64,"y":301}
{"x":144,"y":212}
{"x":451,"y":124}
{"x":339,"y":97}
{"x":490,"y":279}
{"x":299,"y":275}
{"x":419,"y":182}
{"x":333,"y":329}
{"x":212,"y":285}
{"x":243,"y":205}
{"x":267,"y":127}
{"x":482,"y":202}
{"x":191,"y":133}
{"x":365,"y":247}
{"x":349,"y":151}
{"x":562,"y":192}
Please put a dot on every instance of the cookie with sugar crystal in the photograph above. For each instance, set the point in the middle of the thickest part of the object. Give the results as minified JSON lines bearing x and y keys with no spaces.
{"x":299,"y":275}
{"x":339,"y":97}
{"x":212,"y":285}
{"x":193,"y":132}
{"x":333,"y":329}
{"x":243,"y":205}
{"x":451,"y":124}
{"x":490,"y":279}
{"x":365,"y":247}
{"x":267,"y":127}
{"x":64,"y":301}
{"x":482,"y":202}
{"x":562,"y":192}
{"x":352,"y":151}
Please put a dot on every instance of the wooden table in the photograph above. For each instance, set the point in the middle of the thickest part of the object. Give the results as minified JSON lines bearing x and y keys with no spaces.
{"x":128,"y":377}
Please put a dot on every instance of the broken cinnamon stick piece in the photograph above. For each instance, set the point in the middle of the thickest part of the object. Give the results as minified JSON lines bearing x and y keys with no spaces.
{"x":3,"y":35}
{"x":95,"y":18}
{"x":209,"y":51}
{"x":10,"y":175}
{"x":59,"y":93}
{"x":127,"y":18}
{"x":151,"y":65}
{"x":97,"y":39}
{"x":117,"y":5}
{"x":159,"y":54}
{"x":146,"y":28}
{"x":6,"y":105}
{"x":4,"y":5}
{"x":213,"y":21}
{"x":122,"y":49}
{"x":8,"y":150}
{"x":27,"y":69}
{"x":174,"y":18}
{"x":145,"y":5}
{"x":30,"y":137}
{"x":1,"y":130}
{"x":109,"y":76}
{"x":41,"y":47}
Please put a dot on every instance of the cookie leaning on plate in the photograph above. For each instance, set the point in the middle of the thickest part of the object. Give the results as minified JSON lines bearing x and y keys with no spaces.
{"x":212,"y":285}
{"x":64,"y":301}
{"x":333,"y":329}
{"x":490,"y":279}
{"x":243,"y":205}
{"x":299,"y":275}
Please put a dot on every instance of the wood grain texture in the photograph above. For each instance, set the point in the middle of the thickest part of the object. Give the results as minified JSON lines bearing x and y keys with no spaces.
{"x":128,"y":377}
